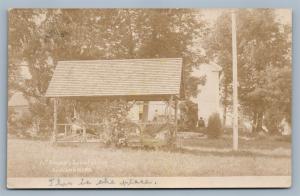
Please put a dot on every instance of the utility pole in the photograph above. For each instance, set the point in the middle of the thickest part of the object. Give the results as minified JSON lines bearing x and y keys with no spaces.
{"x":235,"y":133}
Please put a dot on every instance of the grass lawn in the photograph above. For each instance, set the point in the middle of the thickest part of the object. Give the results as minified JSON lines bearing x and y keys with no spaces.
{"x":28,"y":158}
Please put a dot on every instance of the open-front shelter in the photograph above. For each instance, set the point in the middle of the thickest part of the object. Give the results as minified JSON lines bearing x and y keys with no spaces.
{"x":129,"y":79}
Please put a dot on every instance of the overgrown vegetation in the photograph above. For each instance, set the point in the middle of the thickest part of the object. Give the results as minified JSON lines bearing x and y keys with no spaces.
{"x":41,"y":37}
{"x":214,"y":126}
{"x":42,"y":160}
{"x":188,"y":116}
{"x":264,"y":65}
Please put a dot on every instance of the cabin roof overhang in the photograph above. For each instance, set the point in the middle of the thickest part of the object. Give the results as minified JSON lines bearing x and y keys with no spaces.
{"x":130,"y":79}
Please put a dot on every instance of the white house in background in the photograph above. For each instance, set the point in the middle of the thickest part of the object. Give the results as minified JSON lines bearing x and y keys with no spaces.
{"x":208,"y":98}
{"x":18,"y":104}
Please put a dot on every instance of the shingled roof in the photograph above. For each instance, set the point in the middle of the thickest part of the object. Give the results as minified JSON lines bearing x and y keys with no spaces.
{"x":128,"y":77}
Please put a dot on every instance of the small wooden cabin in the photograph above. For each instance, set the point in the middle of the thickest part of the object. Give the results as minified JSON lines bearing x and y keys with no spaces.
{"x":140,"y":80}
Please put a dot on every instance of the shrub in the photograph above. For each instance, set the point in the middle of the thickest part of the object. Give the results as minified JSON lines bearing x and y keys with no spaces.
{"x":189,"y":116}
{"x":214,"y":126}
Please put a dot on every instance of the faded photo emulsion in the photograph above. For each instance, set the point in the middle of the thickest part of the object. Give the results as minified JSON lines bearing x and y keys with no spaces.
{"x":149,"y":98}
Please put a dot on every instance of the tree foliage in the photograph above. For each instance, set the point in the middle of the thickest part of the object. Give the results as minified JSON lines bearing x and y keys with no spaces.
{"x":264,"y":64}
{"x":44,"y":36}
{"x":214,"y":126}
{"x":41,"y":37}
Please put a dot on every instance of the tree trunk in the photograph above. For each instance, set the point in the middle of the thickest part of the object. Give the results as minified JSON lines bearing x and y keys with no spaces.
{"x":254,"y":122}
{"x":131,"y":41}
{"x":224,"y":115}
{"x":259,"y":121}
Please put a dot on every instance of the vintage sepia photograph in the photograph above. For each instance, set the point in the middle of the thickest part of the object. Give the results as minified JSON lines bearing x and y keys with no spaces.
{"x":149,"y":98}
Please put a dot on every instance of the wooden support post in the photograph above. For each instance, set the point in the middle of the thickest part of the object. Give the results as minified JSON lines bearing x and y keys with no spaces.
{"x":169,"y":108}
{"x":173,"y":141}
{"x":84,"y":139}
{"x":74,"y":110}
{"x":54,"y":120}
{"x":145,"y":111}
{"x":107,"y":125}
{"x":176,"y":119}
{"x":65,"y":130}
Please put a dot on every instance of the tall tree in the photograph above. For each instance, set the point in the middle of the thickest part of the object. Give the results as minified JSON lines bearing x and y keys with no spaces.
{"x":172,"y":33}
{"x":73,"y":34}
{"x":41,"y":37}
{"x":264,"y":59}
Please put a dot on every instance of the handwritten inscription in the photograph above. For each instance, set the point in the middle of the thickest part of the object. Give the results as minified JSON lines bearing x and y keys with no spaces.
{"x":98,"y":182}
{"x":105,"y":181}
{"x":134,"y":181}
{"x":57,"y":182}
